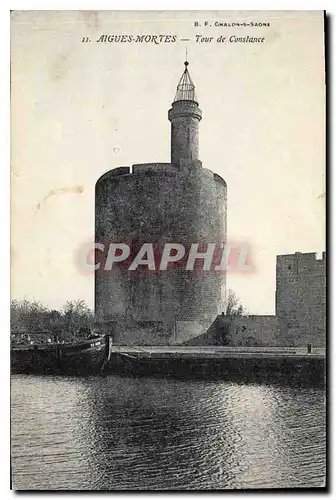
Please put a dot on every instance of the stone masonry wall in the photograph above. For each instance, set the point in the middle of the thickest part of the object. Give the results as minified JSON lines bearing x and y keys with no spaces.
{"x":167,"y":203}
{"x":252,"y":330}
{"x":301,"y":298}
{"x":232,"y":331}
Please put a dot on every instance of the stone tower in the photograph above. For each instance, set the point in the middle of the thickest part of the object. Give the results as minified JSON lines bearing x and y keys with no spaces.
{"x":157,"y":203}
{"x":301,"y":298}
{"x":185,"y":116}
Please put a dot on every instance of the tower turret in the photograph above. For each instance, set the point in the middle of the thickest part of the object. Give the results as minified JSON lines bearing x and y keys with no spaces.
{"x":184,"y":116}
{"x":169,"y":306}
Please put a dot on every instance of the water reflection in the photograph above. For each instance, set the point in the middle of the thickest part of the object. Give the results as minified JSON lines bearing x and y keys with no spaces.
{"x":119,"y":433}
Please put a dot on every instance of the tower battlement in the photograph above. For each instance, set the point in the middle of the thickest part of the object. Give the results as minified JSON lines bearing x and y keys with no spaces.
{"x":300,"y":262}
{"x":166,"y":169}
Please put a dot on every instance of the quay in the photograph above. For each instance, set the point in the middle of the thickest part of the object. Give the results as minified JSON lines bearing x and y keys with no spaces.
{"x":228,"y":363}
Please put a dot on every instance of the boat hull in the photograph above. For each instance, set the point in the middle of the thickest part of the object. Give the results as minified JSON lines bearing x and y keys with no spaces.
{"x":72,"y":359}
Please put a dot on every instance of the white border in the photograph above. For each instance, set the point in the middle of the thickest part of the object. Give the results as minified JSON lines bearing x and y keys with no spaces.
{"x":5,"y":7}
{"x":170,"y":5}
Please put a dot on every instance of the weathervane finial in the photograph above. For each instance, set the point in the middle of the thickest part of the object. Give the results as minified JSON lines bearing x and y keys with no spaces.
{"x":186,"y":61}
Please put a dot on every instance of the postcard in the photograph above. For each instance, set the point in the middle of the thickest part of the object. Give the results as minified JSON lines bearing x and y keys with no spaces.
{"x":168,"y":255}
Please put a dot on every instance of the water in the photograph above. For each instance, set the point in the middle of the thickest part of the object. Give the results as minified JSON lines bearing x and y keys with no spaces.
{"x":122,"y":433}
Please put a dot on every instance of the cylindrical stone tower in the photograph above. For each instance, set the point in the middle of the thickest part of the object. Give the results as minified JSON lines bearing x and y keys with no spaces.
{"x":185,"y":116}
{"x":158,"y":203}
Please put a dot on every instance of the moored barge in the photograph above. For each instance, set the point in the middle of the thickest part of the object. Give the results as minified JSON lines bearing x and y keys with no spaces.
{"x":81,"y":357}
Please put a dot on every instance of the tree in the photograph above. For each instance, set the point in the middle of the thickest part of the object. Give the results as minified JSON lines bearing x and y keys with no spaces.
{"x":74,"y":319}
{"x":27,"y":316}
{"x":77,"y":317}
{"x":233,"y":305}
{"x":233,"y":309}
{"x":54,"y":321}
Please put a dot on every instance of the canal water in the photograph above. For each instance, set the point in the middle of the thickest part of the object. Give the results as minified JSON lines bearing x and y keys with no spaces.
{"x":121,"y":433}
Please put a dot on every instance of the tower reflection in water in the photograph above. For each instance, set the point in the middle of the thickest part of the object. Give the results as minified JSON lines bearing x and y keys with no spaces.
{"x":124,"y":433}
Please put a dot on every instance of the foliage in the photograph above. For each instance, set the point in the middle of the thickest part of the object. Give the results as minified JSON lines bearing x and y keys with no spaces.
{"x":233,"y":305}
{"x":233,"y":308}
{"x":75,"y":319}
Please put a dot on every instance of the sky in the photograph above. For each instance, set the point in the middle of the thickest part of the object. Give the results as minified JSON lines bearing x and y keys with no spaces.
{"x":80,"y":109}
